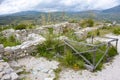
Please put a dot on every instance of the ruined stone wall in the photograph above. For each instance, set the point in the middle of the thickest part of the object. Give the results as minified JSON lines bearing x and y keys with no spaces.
{"x":31,"y":37}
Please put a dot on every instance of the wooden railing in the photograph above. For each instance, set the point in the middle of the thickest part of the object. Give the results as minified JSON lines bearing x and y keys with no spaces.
{"x":92,"y":65}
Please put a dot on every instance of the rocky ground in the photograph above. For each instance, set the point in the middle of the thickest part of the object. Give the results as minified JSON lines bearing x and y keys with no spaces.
{"x":6,"y":72}
{"x":31,"y":68}
{"x":37,"y":68}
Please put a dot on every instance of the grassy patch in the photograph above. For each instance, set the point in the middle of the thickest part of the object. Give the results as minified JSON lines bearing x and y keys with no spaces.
{"x":57,"y":72}
{"x":71,"y":60}
{"x":105,"y":30}
{"x":87,"y":23}
{"x":116,"y":30}
{"x":10,"y":41}
{"x":23,"y":26}
{"x":52,"y":49}
{"x":3,"y":28}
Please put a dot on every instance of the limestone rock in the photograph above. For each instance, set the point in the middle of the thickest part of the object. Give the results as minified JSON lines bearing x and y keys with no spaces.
{"x":8,"y":51}
{"x":14,"y":76}
{"x":9,"y":32}
{"x":48,"y":79}
{"x":6,"y":77}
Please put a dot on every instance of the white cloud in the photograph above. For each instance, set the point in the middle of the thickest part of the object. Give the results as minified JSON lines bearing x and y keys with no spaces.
{"x":12,"y":6}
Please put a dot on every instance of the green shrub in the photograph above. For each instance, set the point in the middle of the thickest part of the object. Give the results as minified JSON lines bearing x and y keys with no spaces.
{"x":90,"y":23}
{"x":51,"y":47}
{"x":71,"y":60}
{"x":73,"y":21}
{"x":23,"y":26}
{"x":87,"y":23}
{"x":20,"y":27}
{"x":93,"y":33}
{"x":116,"y":30}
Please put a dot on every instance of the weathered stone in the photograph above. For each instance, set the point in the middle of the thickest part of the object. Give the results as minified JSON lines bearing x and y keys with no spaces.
{"x":8,"y":71}
{"x":8,"y":51}
{"x":14,"y":64}
{"x":1,"y":74}
{"x":6,"y":77}
{"x":5,"y":65}
{"x":48,"y":79}
{"x":9,"y":32}
{"x":14,"y":76}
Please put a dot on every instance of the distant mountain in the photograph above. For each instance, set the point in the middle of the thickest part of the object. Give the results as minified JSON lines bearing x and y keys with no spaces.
{"x":26,"y":13}
{"x":113,"y":10}
{"x":35,"y":17}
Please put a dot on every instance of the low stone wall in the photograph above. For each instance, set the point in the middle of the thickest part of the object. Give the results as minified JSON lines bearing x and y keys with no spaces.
{"x":21,"y":35}
{"x":25,"y":48}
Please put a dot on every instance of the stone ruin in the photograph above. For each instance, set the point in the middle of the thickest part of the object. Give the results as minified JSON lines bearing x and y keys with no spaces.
{"x":29,"y":40}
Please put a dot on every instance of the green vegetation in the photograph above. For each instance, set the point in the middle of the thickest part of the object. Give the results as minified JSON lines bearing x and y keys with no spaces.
{"x":10,"y":41}
{"x":4,"y":27}
{"x":86,"y":23}
{"x":23,"y":26}
{"x":5,"y":59}
{"x":57,"y":72}
{"x":73,"y":21}
{"x":23,"y":72}
{"x":55,"y":49}
{"x":71,"y":60}
{"x":17,"y":27}
{"x":32,"y":17}
{"x":105,"y":30}
{"x":93,"y":33}
{"x":116,"y":30}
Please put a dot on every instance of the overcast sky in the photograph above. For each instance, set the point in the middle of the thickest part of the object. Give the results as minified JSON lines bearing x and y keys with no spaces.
{"x":12,"y":6}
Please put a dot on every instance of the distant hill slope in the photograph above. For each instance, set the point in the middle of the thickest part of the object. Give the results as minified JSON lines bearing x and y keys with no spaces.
{"x":35,"y":17}
{"x":113,"y":10}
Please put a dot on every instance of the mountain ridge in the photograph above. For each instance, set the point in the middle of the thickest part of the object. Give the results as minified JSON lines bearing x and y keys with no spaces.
{"x":113,"y":10}
{"x":111,"y":14}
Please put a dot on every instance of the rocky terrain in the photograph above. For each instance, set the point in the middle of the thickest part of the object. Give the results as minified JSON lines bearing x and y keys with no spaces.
{"x":30,"y":68}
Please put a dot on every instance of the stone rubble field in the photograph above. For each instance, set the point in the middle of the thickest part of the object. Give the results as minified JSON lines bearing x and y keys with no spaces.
{"x":43,"y":69}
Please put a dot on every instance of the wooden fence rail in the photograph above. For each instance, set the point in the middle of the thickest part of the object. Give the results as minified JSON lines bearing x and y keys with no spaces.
{"x":91,"y":65}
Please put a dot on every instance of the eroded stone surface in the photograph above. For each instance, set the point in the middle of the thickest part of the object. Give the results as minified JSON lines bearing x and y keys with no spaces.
{"x":39,"y":68}
{"x":7,"y":73}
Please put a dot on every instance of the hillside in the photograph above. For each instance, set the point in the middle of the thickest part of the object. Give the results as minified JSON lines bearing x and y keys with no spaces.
{"x":113,"y":10}
{"x":35,"y":17}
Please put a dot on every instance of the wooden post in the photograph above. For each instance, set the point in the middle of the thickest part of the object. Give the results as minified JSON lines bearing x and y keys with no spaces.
{"x":92,"y":39}
{"x":116,"y":43}
{"x":78,"y":53}
{"x":94,"y":57}
{"x":103,"y":56}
